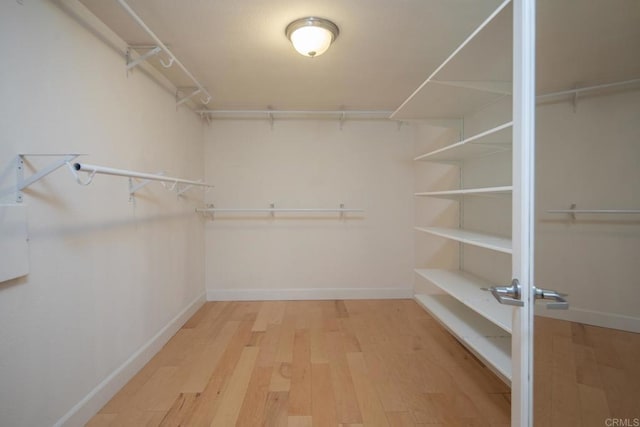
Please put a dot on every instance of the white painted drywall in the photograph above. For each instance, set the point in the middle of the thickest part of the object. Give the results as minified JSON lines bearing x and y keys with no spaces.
{"x":310,"y":164}
{"x":106,"y":275}
{"x":591,"y":157}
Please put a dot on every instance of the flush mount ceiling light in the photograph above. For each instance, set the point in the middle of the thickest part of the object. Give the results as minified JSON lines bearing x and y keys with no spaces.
{"x":312,"y":36}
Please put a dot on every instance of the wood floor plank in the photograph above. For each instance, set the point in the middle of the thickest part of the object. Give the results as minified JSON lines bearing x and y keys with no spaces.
{"x":199,"y":371}
{"x":323,"y":402}
{"x":300,"y":391}
{"x":285,"y":343}
{"x":594,"y":406}
{"x":400,"y":419}
{"x":276,"y":409}
{"x":252,"y":412}
{"x":180,"y":409}
{"x":299,"y":421}
{"x":233,"y":396}
{"x":347,"y":409}
{"x":373,"y":413}
{"x":271,"y":312}
{"x":209,"y":401}
{"x":281,"y":377}
{"x":269,"y":346}
{"x":318,"y":346}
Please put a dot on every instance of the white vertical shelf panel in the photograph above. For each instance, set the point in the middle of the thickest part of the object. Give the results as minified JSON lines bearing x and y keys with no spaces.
{"x":467,"y":289}
{"x":487,"y":341}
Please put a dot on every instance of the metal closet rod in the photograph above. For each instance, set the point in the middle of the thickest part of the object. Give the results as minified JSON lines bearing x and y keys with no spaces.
{"x":595,"y":211}
{"x":200,"y":88}
{"x":278,"y":210}
{"x":299,"y":112}
{"x":586,"y":89}
{"x":93,"y":169}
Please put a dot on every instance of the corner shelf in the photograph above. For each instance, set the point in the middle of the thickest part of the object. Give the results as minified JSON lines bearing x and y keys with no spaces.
{"x":467,"y":289}
{"x":486,"y":143}
{"x":457,"y":194}
{"x":487,"y":241}
{"x":487,"y":341}
{"x":476,"y":74}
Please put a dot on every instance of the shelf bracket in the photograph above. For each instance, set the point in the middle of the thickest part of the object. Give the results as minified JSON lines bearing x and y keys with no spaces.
{"x":133,"y":189}
{"x":270,"y":114}
{"x":272,"y":213}
{"x":180,"y":101}
{"x":142,"y":58}
{"x":22,"y":182}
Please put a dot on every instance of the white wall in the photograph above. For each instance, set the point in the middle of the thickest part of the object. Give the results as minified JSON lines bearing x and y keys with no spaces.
{"x":591,"y":157}
{"x":310,"y":164}
{"x":106,"y":275}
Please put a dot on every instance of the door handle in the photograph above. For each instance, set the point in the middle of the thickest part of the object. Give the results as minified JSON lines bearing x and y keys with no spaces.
{"x":508,"y":295}
{"x":559,"y":302}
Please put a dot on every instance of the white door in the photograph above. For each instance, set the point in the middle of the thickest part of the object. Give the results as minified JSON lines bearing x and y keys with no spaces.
{"x":520,"y":293}
{"x":524,"y":106}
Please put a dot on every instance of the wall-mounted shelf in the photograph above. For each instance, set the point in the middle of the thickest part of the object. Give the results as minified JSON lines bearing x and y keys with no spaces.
{"x":487,"y":341}
{"x":92,"y":170}
{"x":272,"y":210}
{"x":486,"y":143}
{"x":487,"y":241}
{"x":468,"y":289}
{"x":159,"y":47}
{"x":476,"y":74}
{"x":457,"y":194}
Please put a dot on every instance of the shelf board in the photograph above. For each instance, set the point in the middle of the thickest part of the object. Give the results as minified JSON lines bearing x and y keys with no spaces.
{"x":489,"y":142}
{"x":476,"y":74}
{"x":487,"y":241}
{"x":457,"y":194}
{"x":490,"y":343}
{"x":467,"y":289}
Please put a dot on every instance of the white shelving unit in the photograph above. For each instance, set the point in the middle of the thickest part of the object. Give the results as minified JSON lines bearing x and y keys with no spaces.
{"x":468,"y":289}
{"x":476,"y":74}
{"x":487,"y":341}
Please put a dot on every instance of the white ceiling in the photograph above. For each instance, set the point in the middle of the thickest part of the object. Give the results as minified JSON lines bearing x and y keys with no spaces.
{"x":238,"y":50}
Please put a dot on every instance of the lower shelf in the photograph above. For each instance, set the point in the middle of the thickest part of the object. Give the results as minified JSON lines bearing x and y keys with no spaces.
{"x":467,"y":289}
{"x":487,"y":341}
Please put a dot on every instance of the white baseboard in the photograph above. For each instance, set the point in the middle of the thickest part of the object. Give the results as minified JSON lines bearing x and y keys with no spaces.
{"x":595,"y":318}
{"x":82,"y":412}
{"x":307,"y":294}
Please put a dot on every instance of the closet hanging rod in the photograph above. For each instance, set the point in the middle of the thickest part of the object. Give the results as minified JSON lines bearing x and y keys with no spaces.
{"x":270,"y":210}
{"x":586,"y":89}
{"x":595,"y":211}
{"x":172,"y":58}
{"x":93,"y":169}
{"x":300,"y":112}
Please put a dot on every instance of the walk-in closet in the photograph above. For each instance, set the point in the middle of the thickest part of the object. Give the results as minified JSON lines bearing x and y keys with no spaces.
{"x":364,"y":213}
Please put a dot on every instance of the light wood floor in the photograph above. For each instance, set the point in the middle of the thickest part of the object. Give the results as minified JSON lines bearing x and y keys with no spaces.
{"x":585,"y":375}
{"x":303,"y":363}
